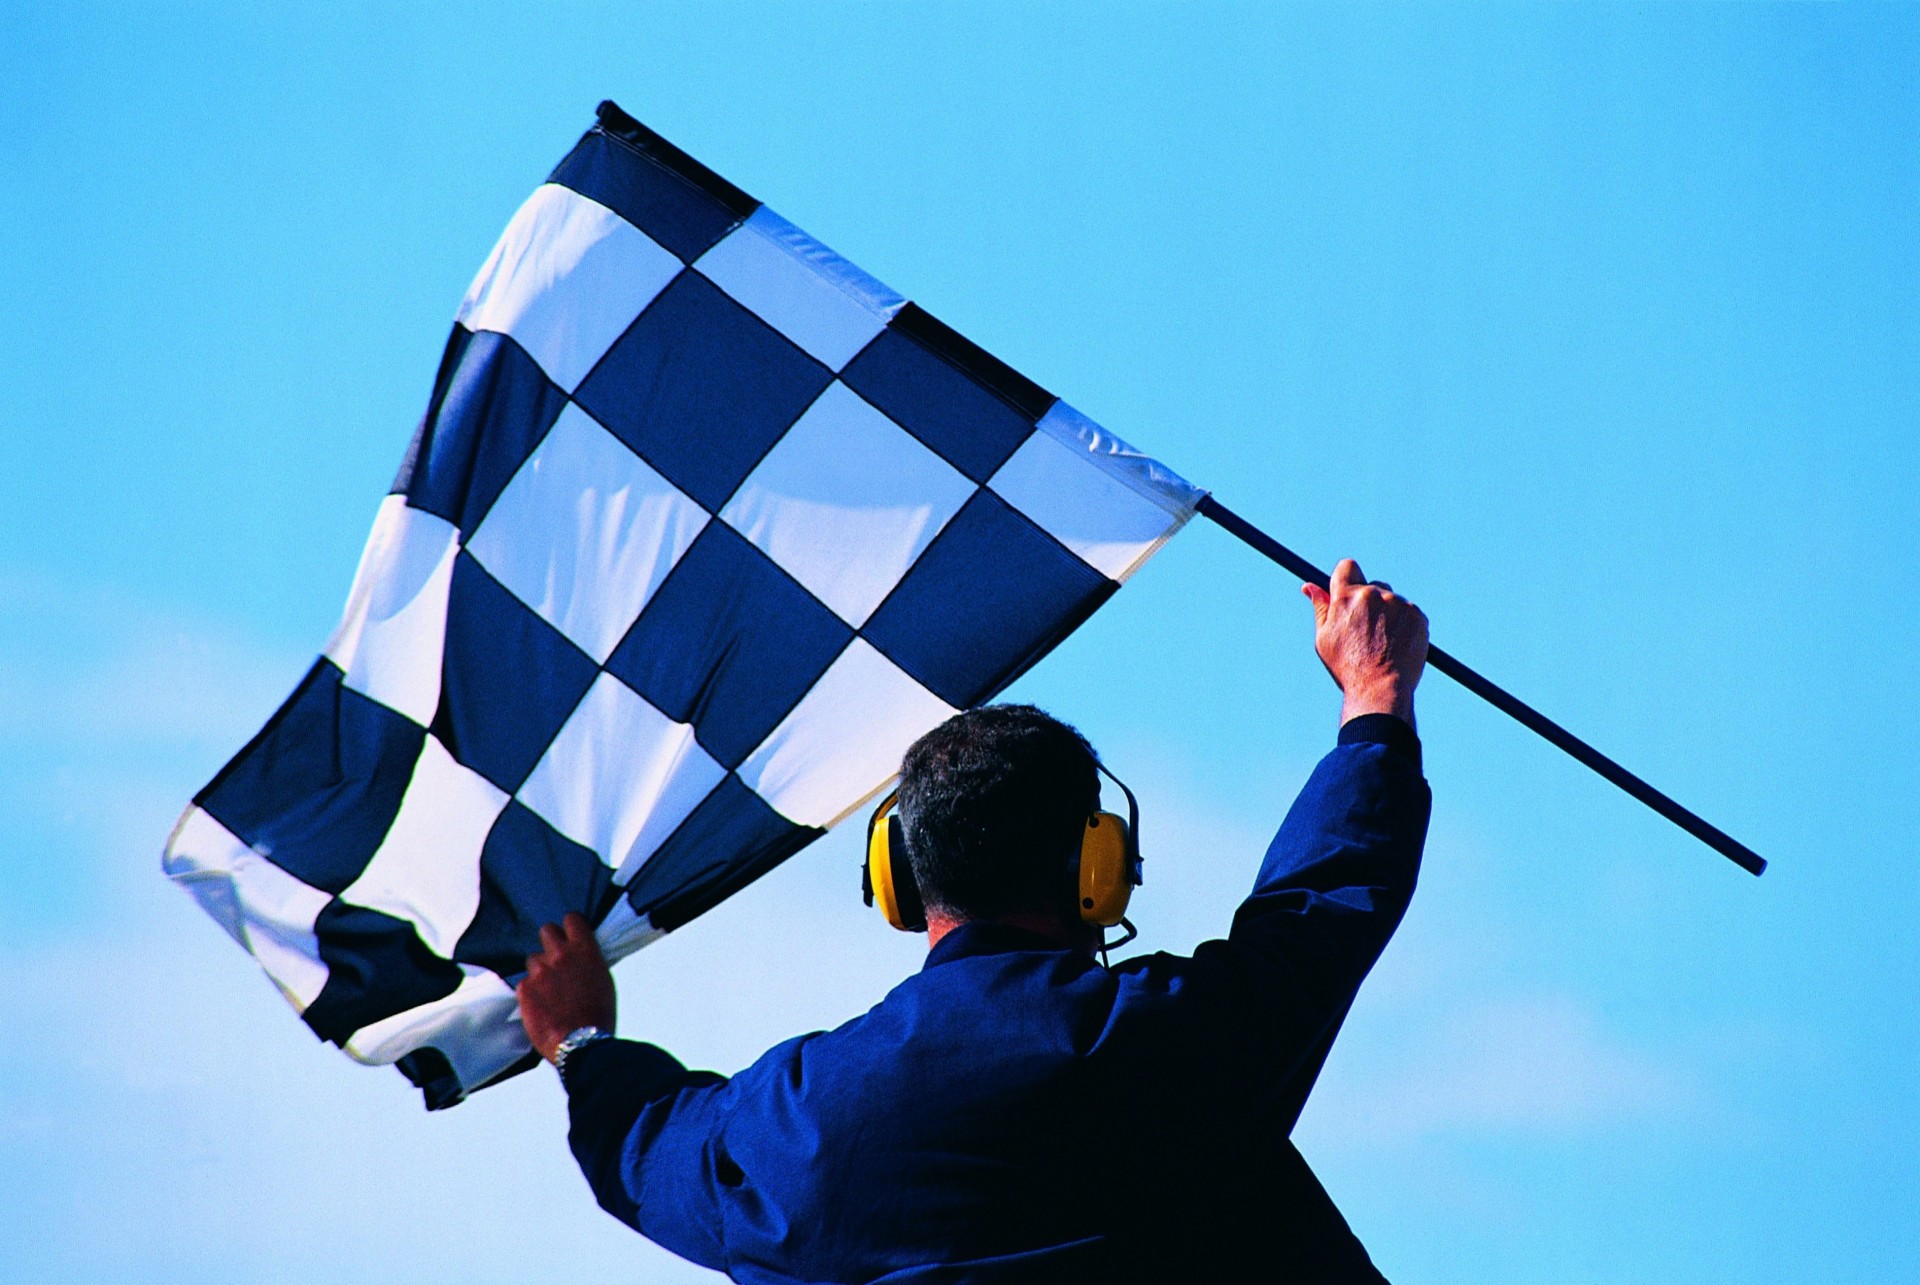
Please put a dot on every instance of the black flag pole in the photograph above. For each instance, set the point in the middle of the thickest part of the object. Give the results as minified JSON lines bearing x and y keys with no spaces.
{"x":1711,"y":835}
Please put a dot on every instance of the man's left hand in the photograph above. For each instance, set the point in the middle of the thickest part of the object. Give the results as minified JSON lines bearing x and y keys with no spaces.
{"x":568,"y":985}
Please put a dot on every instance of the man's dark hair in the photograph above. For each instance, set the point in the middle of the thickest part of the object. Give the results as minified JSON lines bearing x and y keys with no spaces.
{"x":993,"y":802}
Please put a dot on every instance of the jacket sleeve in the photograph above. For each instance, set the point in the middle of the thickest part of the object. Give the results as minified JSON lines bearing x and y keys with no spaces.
{"x":1333,"y":887}
{"x":642,"y":1128}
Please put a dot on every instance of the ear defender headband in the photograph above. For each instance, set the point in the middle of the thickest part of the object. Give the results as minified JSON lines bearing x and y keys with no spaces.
{"x":1106,"y":871}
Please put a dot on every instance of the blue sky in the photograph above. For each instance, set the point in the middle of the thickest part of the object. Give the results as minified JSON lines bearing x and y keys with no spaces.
{"x":1596,"y":329}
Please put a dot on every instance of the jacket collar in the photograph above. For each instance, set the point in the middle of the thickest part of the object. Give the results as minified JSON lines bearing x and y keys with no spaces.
{"x":987,"y":938}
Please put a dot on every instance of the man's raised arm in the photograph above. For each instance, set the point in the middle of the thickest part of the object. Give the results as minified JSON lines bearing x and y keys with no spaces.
{"x":1338,"y":876}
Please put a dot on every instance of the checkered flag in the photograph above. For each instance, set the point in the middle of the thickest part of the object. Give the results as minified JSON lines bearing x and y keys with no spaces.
{"x":702,"y":527}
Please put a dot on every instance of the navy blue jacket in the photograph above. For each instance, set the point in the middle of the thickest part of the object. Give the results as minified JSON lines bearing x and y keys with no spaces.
{"x":1015,"y":1112}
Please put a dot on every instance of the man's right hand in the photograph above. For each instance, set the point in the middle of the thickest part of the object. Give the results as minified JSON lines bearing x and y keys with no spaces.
{"x":1372,"y":641}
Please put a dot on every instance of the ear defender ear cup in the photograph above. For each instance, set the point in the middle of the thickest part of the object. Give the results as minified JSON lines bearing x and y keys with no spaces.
{"x":1110,"y":862}
{"x":886,"y":880}
{"x":1106,"y":870}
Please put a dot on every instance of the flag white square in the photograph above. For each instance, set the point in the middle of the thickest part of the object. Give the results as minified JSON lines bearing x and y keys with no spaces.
{"x":1091,"y":498}
{"x":477,"y":1028}
{"x":844,"y":738}
{"x":389,"y":642}
{"x":566,"y":279}
{"x":620,"y":776}
{"x":267,"y":910}
{"x":846,"y":501}
{"x":799,"y":287}
{"x":427,"y":869}
{"x":585,"y":532}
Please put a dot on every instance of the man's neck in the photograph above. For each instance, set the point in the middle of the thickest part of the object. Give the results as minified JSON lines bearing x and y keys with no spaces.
{"x":1039,"y":922}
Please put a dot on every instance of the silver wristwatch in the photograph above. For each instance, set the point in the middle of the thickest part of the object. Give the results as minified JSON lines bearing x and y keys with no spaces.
{"x":578,"y":1038}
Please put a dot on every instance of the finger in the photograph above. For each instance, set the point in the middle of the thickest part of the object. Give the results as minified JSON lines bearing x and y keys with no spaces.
{"x":1382,"y":586}
{"x":576,"y":927}
{"x":1346,"y":574}
{"x":551,"y":938}
{"x":1318,"y":597}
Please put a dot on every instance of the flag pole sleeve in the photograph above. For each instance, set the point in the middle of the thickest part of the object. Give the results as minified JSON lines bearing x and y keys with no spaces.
{"x":1711,"y":835}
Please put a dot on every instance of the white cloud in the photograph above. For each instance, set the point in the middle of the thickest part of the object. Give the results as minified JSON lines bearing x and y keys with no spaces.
{"x":1440,"y":1040}
{"x":1536,"y":1064}
{"x":100,"y":668}
{"x":180,"y":1124}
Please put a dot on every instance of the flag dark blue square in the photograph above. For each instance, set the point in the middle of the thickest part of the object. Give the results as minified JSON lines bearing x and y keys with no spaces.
{"x":508,"y":679}
{"x":990,"y":596}
{"x":728,"y":841}
{"x":315,"y":791}
{"x":701,"y":388}
{"x":661,"y":203}
{"x":491,"y":407}
{"x":729,"y":644}
{"x":376,"y":966}
{"x":530,"y":874}
{"x":956,"y":415}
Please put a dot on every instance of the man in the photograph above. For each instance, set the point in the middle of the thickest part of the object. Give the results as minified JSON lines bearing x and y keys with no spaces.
{"x":1015,"y":1111}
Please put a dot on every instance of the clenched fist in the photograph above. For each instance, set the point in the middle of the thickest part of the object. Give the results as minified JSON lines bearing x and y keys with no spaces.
{"x":568,"y":985}
{"x":1372,"y":641}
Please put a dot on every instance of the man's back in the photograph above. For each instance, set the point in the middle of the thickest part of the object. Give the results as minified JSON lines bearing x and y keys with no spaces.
{"x":1015,"y":1111}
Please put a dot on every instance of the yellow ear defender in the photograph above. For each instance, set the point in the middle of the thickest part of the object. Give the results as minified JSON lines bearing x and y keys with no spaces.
{"x":1107,"y":870}
{"x":886,"y":880}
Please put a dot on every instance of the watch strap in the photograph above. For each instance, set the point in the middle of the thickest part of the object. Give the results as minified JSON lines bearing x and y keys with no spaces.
{"x":578,"y":1038}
